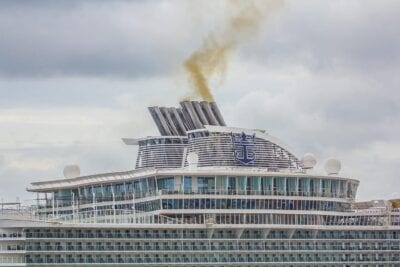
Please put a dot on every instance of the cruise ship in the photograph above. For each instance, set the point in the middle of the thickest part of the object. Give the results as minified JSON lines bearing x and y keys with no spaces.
{"x":203,"y":194}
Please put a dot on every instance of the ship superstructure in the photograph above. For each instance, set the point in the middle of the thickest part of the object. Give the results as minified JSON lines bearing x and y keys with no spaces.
{"x":203,"y":194}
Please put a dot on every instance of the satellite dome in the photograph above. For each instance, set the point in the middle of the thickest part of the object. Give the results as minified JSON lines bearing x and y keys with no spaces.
{"x":71,"y":171}
{"x":332,"y":166}
{"x":308,"y":161}
{"x":192,"y":159}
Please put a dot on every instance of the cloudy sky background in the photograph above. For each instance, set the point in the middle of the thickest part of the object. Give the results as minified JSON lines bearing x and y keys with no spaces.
{"x":76,"y":76}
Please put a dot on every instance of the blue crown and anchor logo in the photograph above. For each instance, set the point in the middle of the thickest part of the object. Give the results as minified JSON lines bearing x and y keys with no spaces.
{"x":243,"y":147}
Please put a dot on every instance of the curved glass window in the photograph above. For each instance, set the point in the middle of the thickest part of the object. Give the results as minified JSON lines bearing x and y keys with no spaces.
{"x":253,"y":185}
{"x":315,"y":187}
{"x":351,"y":190}
{"x":304,"y":186}
{"x":165,"y":183}
{"x":232,"y":184}
{"x":335,"y":188}
{"x":291,"y":186}
{"x":187,"y":184}
{"x":280,"y":185}
{"x":267,"y":185}
{"x":205,"y":184}
{"x":242,"y":184}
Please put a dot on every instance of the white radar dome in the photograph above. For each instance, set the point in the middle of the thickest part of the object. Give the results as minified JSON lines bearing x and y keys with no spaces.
{"x":308,"y":161}
{"x":332,"y":166}
{"x":71,"y":171}
{"x":192,"y":159}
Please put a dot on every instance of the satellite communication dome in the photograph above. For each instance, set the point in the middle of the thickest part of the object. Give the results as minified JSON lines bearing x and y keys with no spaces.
{"x":71,"y":171}
{"x":308,"y":161}
{"x":192,"y":159}
{"x":332,"y":166}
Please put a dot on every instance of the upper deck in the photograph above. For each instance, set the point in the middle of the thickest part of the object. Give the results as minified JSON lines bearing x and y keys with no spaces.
{"x":199,"y":167}
{"x":246,"y":179}
{"x":195,"y":141}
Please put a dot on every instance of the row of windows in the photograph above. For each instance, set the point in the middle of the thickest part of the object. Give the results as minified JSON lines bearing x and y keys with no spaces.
{"x":204,"y":234}
{"x":11,"y":247}
{"x":145,"y":206}
{"x":10,"y":235}
{"x":211,"y":245}
{"x":286,"y":219}
{"x":279,"y":204}
{"x":243,"y":185}
{"x":213,"y":257}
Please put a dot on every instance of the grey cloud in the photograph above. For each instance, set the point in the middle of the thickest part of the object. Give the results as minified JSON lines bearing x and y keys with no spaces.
{"x":356,"y":35}
{"x":93,"y":38}
{"x":344,"y":117}
{"x":60,"y":92}
{"x":345,"y":59}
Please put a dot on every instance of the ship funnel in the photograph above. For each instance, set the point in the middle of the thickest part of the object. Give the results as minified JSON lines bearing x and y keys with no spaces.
{"x":191,"y":115}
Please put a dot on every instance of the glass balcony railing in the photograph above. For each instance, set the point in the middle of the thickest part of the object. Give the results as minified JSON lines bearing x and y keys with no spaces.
{"x":217,"y":257}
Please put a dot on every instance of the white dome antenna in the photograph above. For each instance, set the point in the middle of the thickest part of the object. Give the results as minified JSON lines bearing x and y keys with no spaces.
{"x":308,"y":161}
{"x":71,"y":171}
{"x":332,"y":166}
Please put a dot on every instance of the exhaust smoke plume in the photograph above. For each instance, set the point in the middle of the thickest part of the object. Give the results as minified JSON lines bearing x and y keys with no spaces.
{"x":243,"y":19}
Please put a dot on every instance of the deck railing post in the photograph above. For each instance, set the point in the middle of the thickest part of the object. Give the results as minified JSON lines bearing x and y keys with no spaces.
{"x":94,"y":206}
{"x":113,"y":196}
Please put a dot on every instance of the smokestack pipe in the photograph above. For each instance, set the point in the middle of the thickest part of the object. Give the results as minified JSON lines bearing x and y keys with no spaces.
{"x":200,"y":113}
{"x":217,"y":113}
{"x":209,"y":113}
{"x":169,"y":121}
{"x":159,"y":120}
{"x":188,"y":107}
{"x":179,"y":122}
{"x":187,"y":120}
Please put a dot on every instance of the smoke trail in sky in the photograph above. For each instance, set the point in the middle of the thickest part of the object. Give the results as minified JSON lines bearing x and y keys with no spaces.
{"x":243,"y":20}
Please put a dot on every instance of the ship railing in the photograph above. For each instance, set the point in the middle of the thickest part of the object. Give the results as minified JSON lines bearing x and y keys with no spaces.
{"x":111,"y":216}
{"x":115,"y":216}
{"x":274,"y":192}
{"x":19,"y":212}
{"x":14,"y":208}
{"x":379,"y":219}
{"x":12,"y":261}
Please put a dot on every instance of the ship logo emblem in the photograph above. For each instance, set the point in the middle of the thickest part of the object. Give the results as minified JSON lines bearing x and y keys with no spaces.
{"x":243,"y":147}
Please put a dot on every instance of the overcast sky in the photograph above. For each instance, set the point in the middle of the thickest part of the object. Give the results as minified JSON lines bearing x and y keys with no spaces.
{"x":76,"y":76}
